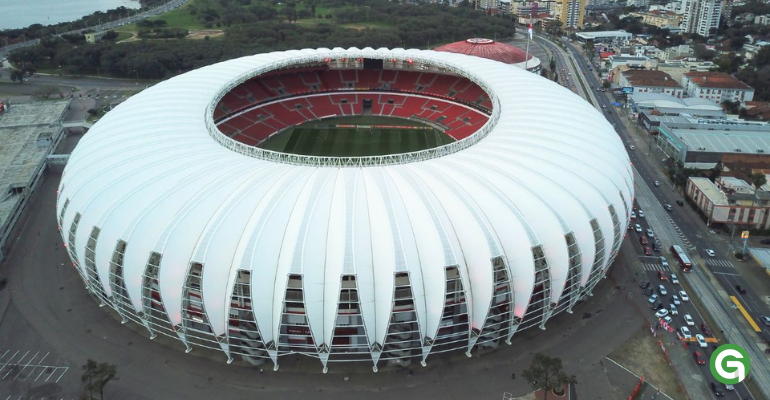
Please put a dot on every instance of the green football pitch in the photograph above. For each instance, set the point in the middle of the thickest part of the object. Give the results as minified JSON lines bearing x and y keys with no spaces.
{"x":358,"y":138}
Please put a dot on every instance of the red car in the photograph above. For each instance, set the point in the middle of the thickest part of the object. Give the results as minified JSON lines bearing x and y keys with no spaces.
{"x":662,"y":276}
{"x":647,"y":251}
{"x":699,"y":358}
{"x":705,"y":329}
{"x":643,"y":240}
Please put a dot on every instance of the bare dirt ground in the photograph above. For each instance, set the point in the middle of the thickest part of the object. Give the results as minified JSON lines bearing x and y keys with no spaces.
{"x":202,"y":33}
{"x":642,"y":356}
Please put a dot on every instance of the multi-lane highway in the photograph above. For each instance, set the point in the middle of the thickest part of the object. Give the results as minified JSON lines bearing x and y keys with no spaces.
{"x":678,"y":225}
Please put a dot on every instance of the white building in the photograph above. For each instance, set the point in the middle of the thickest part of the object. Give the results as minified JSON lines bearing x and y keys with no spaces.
{"x":605,"y":36}
{"x":644,"y":81}
{"x":716,"y":86}
{"x":700,"y":16}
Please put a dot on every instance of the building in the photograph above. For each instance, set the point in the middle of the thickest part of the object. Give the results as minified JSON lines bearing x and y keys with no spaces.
{"x":644,"y":81}
{"x":29,"y":132}
{"x":94,"y":37}
{"x":657,"y":18}
{"x":701,"y":16}
{"x":614,"y":62}
{"x":570,"y":13}
{"x":730,"y":201}
{"x":490,"y":49}
{"x":264,"y":255}
{"x":638,"y":3}
{"x":677,"y":68}
{"x":604,"y":36}
{"x":762,"y":20}
{"x":703,"y":142}
{"x":716,"y":86}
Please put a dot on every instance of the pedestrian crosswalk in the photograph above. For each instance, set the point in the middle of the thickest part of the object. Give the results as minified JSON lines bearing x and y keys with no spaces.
{"x":719,"y":263}
{"x":655,"y":267}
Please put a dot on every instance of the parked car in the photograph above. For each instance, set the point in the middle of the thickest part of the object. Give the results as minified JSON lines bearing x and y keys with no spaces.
{"x":688,"y":320}
{"x":664,"y":263}
{"x":740,"y":289}
{"x":662,"y":275}
{"x":716,"y":390}
{"x":699,"y":358}
{"x":674,"y":311}
{"x":648,"y":292}
{"x":674,"y":279}
{"x":675,"y":300}
{"x":668,"y":207}
{"x":668,"y":320}
{"x":701,"y":341}
{"x":711,"y":253}
{"x":685,"y":332}
{"x":684,"y":296}
{"x":662,"y":290}
{"x":661,"y":313}
{"x":644,"y":285}
{"x":653,"y":298}
{"x":680,"y":202}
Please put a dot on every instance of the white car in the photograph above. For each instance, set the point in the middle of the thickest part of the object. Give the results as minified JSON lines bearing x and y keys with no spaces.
{"x":633,"y":215}
{"x":675,"y":300}
{"x":661,"y":313}
{"x":656,"y":183}
{"x":685,"y":332}
{"x":650,"y":233}
{"x":701,"y":340}
{"x":711,"y":253}
{"x":688,"y":320}
{"x":641,"y":214}
{"x":662,"y":290}
{"x":674,"y":279}
{"x":664,"y":262}
{"x":638,"y":228}
{"x":684,"y":296}
{"x":668,"y":320}
{"x":674,"y":311}
{"x":653,"y":299}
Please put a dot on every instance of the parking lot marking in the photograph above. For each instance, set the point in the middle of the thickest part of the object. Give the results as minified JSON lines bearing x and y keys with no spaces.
{"x":21,"y":368}
{"x":26,"y":365}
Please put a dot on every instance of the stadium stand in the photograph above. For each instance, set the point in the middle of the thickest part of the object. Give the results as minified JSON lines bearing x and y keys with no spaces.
{"x":254,"y":126}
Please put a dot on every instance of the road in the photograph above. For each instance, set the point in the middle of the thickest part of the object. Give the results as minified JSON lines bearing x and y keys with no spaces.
{"x":105,"y":26}
{"x":686,"y":229}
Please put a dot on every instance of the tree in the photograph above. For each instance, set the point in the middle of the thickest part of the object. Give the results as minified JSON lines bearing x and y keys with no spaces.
{"x":45,"y":92}
{"x":97,"y":375}
{"x":702,"y":53}
{"x":757,"y":179}
{"x":547,"y":373}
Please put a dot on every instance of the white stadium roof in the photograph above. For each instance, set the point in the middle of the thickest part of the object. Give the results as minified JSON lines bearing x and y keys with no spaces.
{"x":152,"y":174}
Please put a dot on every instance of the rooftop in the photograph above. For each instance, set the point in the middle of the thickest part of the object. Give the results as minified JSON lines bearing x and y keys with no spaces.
{"x":601,"y":34}
{"x":721,"y":137}
{"x":487,"y":48}
{"x":26,"y":134}
{"x":717,"y":80}
{"x":642,"y":77}
{"x":709,"y":189}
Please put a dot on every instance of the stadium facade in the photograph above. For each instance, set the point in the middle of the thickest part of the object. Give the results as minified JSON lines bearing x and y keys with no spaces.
{"x":199,"y":236}
{"x":494,"y":50}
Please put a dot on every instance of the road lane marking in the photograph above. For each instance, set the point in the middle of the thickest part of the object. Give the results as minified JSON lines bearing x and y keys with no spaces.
{"x":745,"y":314}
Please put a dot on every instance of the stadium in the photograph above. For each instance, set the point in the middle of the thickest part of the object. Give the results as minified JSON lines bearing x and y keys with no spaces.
{"x":350,"y":205}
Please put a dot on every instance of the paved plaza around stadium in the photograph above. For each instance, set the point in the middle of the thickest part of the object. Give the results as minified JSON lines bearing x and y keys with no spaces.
{"x":45,"y":310}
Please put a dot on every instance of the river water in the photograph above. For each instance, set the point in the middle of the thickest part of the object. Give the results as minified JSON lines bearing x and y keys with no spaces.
{"x":22,"y":13}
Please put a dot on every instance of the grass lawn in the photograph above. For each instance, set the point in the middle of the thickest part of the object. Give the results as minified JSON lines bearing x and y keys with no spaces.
{"x":364,"y":25}
{"x":180,"y":18}
{"x":321,"y":138}
{"x":642,"y":355}
{"x":122,"y":35}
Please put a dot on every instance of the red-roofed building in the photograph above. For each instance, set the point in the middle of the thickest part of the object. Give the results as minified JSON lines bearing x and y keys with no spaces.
{"x":490,"y":49}
{"x":648,"y":81}
{"x":716,"y":86}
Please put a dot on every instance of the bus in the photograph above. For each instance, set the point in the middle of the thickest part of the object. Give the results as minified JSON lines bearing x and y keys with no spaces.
{"x":682,"y":258}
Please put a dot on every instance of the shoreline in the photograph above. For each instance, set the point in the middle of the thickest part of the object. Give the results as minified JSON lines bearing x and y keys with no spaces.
{"x":23,"y":11}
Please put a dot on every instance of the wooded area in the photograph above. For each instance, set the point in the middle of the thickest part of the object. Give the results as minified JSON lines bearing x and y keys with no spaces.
{"x":250,"y":29}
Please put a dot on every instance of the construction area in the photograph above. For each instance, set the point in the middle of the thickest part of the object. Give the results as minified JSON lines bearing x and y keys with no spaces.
{"x":29,"y":133}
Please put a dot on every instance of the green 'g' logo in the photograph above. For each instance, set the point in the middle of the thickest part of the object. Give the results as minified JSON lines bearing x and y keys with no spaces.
{"x":730,"y":364}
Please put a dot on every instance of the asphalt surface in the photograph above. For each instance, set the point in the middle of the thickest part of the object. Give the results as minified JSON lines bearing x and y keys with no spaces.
{"x":685,"y":226}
